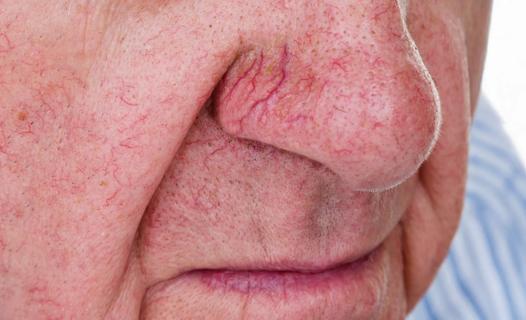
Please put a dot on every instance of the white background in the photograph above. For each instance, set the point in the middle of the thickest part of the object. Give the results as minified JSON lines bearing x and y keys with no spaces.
{"x":504,"y":81}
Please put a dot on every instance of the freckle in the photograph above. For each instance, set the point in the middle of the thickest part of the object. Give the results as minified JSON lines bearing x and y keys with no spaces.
{"x":22,"y":116}
{"x":103,"y":183}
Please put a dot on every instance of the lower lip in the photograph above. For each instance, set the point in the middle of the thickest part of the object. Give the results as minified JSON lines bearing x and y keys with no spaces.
{"x":280,"y":282}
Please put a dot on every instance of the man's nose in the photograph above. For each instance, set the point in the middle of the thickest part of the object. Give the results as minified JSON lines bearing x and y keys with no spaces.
{"x":347,"y":89}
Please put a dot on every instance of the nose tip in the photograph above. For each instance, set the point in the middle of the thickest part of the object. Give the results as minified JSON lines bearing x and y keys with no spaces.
{"x":360,"y":102}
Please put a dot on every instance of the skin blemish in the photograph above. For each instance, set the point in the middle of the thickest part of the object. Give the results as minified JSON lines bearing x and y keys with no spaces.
{"x":254,"y":89}
{"x":273,"y":91}
{"x":22,"y":116}
{"x":5,"y":43}
{"x":52,"y":97}
{"x":39,"y":294}
{"x":127,"y":95}
{"x":24,"y":126}
{"x":128,"y":101}
{"x":3,"y":139}
{"x":214,"y":152}
{"x":256,"y":65}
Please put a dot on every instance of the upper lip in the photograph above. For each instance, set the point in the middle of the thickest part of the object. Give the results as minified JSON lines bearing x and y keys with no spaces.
{"x":289,"y":265}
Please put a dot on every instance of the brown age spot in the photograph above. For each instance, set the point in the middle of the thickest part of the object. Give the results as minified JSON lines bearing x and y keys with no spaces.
{"x":270,"y":69}
{"x":22,"y":116}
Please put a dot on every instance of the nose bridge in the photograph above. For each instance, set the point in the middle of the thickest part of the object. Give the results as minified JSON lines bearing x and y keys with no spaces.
{"x":348,"y":91}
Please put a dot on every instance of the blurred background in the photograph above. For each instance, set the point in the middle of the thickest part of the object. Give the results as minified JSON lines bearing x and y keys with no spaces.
{"x":504,"y":81}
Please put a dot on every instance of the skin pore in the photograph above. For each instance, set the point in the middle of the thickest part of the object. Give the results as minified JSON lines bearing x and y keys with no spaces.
{"x":231,"y":159}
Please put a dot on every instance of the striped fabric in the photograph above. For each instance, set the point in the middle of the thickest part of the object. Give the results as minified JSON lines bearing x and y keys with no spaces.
{"x":484,"y":275}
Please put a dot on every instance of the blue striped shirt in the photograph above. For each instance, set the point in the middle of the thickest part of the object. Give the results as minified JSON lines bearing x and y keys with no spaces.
{"x":484,"y":275}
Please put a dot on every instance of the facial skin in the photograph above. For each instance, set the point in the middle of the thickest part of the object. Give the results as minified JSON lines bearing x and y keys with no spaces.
{"x":219,"y":159}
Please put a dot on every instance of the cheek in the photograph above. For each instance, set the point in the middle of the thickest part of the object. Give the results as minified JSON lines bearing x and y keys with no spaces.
{"x":431,"y":222}
{"x":364,"y":106}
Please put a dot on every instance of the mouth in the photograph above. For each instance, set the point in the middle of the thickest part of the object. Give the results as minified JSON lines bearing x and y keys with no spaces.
{"x":285,"y":279}
{"x":354,"y":289}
